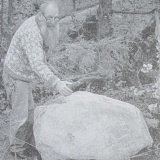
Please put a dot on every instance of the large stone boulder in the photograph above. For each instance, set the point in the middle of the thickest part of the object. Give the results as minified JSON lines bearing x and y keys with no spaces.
{"x":89,"y":126}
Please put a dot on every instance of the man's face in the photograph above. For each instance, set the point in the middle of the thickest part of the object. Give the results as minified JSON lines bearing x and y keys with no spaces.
{"x":51,"y":15}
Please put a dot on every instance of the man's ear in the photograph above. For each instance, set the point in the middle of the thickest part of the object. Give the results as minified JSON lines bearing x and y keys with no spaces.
{"x":40,"y":19}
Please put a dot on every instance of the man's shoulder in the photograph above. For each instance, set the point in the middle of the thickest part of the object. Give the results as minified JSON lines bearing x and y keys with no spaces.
{"x":29,"y":20}
{"x":28,"y":25}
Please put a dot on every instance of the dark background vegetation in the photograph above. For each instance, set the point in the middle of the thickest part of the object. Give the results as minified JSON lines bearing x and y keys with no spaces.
{"x":110,"y":43}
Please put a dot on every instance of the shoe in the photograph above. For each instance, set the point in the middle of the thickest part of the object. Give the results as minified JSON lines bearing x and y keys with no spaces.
{"x":18,"y":151}
{"x":32,"y":152}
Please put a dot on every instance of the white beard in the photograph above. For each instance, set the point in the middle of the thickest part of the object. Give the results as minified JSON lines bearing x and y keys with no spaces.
{"x":50,"y":36}
{"x":53,"y":36}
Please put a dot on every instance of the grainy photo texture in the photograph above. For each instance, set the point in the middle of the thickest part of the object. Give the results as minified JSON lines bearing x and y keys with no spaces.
{"x":79,"y":80}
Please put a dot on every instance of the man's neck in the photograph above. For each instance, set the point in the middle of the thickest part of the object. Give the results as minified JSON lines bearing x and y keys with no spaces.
{"x":41,"y":23}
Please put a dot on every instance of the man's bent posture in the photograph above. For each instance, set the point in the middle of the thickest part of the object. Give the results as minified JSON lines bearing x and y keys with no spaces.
{"x":24,"y":61}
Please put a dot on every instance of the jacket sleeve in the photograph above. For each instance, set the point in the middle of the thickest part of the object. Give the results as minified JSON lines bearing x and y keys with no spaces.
{"x":33,"y":46}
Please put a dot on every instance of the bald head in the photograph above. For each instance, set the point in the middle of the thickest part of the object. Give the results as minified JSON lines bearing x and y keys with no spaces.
{"x":50,"y":11}
{"x":49,"y":5}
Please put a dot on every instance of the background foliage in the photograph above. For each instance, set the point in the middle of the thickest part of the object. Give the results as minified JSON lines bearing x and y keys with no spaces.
{"x":127,"y":60}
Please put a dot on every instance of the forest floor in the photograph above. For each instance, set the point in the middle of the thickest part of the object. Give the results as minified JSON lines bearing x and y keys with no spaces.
{"x":4,"y":143}
{"x":4,"y":139}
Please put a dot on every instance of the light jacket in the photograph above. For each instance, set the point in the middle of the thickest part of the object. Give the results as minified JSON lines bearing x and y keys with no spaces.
{"x":25,"y":58}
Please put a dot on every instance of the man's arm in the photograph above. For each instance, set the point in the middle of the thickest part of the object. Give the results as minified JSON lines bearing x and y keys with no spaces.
{"x":34,"y":51}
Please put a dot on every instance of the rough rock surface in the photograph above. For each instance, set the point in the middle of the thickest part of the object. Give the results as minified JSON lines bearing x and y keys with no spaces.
{"x":89,"y":126}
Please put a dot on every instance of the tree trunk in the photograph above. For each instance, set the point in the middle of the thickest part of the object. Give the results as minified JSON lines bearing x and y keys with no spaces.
{"x":2,"y":6}
{"x":104,"y":18}
{"x":10,"y":12}
{"x":74,"y":5}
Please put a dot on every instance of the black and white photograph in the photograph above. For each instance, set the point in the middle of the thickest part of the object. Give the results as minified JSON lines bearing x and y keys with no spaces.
{"x":79,"y":79}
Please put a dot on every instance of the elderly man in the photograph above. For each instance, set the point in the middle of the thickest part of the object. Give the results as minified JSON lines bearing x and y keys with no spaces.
{"x":24,"y":62}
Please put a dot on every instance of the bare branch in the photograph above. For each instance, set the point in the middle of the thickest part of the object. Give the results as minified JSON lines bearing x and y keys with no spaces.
{"x":85,"y":80}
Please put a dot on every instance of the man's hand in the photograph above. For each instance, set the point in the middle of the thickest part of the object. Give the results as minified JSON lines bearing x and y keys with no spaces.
{"x":62,"y":88}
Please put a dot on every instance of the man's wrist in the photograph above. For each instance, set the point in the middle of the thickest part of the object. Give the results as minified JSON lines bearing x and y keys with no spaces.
{"x":55,"y":82}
